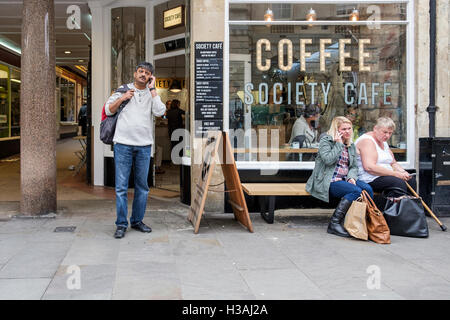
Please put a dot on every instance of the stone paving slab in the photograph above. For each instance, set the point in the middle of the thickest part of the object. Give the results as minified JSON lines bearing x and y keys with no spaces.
{"x":23,"y":289}
{"x":294,"y":258}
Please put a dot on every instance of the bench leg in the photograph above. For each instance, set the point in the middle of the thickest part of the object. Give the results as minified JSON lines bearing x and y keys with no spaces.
{"x":267,"y":215}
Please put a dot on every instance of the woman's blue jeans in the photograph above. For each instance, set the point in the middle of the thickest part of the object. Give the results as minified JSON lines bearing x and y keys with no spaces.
{"x":351,"y":192}
{"x":124,"y":157}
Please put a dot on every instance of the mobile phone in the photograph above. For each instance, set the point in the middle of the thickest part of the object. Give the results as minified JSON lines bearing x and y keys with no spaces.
{"x":412,"y":174}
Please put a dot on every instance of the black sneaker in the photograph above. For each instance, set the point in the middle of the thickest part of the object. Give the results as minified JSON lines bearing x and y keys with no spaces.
{"x":141,"y":227}
{"x":120,"y":232}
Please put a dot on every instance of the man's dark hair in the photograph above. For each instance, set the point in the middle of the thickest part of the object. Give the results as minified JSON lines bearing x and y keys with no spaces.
{"x":145,"y":65}
{"x":311,"y":110}
{"x":175,"y":104}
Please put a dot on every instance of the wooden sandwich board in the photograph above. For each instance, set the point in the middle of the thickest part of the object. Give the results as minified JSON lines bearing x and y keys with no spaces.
{"x":218,"y":148}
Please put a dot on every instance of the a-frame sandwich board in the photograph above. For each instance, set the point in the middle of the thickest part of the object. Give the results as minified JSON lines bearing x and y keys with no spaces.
{"x":218,"y":142}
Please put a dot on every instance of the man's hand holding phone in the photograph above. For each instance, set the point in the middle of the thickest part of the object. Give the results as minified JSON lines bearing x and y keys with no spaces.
{"x":151,"y":86}
{"x":151,"y":82}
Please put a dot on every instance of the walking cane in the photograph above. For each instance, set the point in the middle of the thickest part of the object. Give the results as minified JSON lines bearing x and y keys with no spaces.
{"x":443,"y":227}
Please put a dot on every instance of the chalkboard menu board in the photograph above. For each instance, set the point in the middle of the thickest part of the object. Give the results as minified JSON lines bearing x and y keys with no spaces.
{"x":208,"y":87}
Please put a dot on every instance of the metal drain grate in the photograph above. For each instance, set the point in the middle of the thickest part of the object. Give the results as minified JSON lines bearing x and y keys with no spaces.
{"x":65,"y":229}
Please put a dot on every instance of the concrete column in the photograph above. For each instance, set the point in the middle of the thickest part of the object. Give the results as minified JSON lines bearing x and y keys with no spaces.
{"x":207,"y":24}
{"x":37,"y":117}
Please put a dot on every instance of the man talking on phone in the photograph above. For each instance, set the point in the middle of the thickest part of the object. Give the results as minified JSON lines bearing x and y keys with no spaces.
{"x":133,"y":140}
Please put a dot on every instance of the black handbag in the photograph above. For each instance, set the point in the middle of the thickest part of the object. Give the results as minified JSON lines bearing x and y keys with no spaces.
{"x":405,"y":215}
{"x":108,"y":126}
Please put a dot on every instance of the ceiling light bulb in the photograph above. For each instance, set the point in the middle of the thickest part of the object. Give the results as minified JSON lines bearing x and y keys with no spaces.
{"x":311,"y":16}
{"x":67,"y":52}
{"x":354,"y":16}
{"x":269,"y":15}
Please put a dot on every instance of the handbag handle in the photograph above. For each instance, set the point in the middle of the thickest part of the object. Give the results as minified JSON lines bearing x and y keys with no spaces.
{"x":368,"y":200}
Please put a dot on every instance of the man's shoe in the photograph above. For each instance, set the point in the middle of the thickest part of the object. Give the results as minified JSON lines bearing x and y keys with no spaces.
{"x":120,"y":232}
{"x":141,"y":227}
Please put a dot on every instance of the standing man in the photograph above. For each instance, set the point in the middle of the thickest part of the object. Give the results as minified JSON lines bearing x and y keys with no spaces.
{"x":133,"y":140}
{"x":82,"y":119}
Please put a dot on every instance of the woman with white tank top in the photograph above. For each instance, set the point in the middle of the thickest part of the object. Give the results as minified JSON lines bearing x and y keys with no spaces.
{"x":376,"y":163}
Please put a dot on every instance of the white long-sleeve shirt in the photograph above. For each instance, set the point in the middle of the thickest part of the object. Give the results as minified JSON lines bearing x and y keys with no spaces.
{"x":135,"y":123}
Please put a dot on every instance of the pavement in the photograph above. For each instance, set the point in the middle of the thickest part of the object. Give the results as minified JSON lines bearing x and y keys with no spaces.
{"x":72,"y":254}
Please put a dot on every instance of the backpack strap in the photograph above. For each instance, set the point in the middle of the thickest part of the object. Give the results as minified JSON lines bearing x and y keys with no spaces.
{"x":123,"y":88}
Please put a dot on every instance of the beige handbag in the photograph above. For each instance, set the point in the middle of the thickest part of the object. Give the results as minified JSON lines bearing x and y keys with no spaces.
{"x":355,"y":220}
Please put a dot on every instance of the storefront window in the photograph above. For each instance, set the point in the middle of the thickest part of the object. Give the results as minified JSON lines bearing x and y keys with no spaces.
{"x":67,"y":98}
{"x":341,"y":68}
{"x":4,"y":101}
{"x":127,"y":43}
{"x":15,"y":102}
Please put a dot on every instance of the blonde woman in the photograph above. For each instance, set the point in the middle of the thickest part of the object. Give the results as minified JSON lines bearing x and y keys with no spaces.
{"x":336,"y":173}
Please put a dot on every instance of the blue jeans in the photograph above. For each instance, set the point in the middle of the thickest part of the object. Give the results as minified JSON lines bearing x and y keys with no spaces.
{"x":124,"y":157}
{"x":351,"y":192}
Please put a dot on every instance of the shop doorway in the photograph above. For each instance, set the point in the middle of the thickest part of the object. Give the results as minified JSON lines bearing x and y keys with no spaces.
{"x":171,"y":87}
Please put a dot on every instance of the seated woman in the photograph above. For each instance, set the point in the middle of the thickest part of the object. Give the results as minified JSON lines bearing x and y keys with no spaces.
{"x":336,"y":171}
{"x":376,"y":162}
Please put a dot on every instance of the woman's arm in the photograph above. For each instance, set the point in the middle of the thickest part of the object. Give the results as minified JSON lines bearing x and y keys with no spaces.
{"x":330,"y":151}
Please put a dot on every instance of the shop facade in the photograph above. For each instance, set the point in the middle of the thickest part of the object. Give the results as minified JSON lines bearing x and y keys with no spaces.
{"x":70,"y":95}
{"x":376,"y":64}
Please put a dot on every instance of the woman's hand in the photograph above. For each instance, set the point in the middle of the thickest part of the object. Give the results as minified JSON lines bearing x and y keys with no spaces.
{"x":352,"y":181}
{"x":402,"y":175}
{"x":338,"y":137}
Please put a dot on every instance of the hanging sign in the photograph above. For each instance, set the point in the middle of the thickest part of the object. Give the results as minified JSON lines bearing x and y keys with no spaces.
{"x":173,"y":17}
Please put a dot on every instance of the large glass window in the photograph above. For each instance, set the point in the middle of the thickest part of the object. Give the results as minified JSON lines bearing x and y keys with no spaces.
{"x":15,"y":102}
{"x":127,"y":43}
{"x":4,"y":101}
{"x":333,"y":65}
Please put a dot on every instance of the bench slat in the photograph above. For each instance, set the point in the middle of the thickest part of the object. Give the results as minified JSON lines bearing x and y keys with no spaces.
{"x":275,"y":189}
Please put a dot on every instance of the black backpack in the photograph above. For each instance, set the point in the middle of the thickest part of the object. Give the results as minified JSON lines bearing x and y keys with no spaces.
{"x":108,"y":124}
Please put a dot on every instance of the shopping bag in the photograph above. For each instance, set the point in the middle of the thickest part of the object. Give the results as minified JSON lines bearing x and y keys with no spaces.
{"x":355,"y":220}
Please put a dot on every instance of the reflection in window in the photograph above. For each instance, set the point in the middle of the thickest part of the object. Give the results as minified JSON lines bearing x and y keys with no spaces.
{"x":15,"y":102}
{"x":358,"y":70}
{"x":4,"y":101}
{"x":67,"y":100}
{"x":127,"y":43}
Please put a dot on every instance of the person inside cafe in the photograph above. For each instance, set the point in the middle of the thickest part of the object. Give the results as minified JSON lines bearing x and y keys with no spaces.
{"x":335,"y":173}
{"x":306,"y":126}
{"x":376,"y":162}
{"x":174,"y":119}
{"x":352,"y":113}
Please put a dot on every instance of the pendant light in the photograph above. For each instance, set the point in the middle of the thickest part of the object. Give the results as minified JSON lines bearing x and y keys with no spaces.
{"x":354,"y":16}
{"x":268,"y":17}
{"x":311,"y":15}
{"x":175,"y":86}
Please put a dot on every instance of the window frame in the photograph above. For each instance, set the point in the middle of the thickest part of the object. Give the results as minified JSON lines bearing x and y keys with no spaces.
{"x":410,"y":72}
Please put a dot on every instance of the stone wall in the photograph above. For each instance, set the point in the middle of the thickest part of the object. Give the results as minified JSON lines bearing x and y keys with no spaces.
{"x":423,"y":67}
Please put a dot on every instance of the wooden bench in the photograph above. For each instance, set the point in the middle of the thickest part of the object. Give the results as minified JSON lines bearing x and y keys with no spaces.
{"x":270,"y":191}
